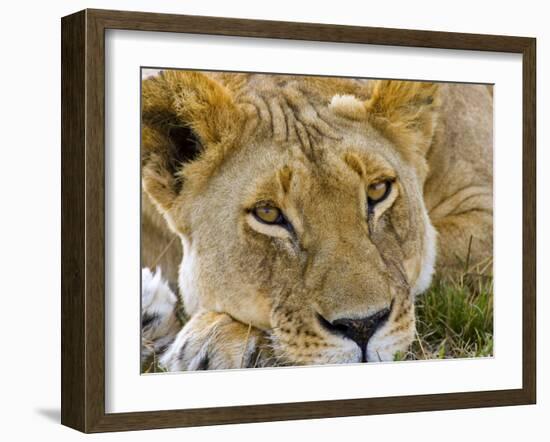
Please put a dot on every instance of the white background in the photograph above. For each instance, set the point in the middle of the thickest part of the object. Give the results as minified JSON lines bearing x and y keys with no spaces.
{"x":30,"y":234}
{"x":126,"y":51}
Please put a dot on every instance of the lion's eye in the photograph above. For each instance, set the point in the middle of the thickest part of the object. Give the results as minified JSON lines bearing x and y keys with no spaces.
{"x":377,"y":192}
{"x":268,"y":215}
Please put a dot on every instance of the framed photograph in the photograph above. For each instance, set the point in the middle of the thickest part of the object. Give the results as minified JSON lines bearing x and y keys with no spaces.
{"x":266,"y":221}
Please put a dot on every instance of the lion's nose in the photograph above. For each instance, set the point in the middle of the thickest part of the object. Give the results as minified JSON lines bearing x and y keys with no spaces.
{"x":358,"y":330}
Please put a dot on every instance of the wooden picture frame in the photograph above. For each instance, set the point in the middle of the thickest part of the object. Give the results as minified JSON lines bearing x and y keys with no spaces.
{"x":83,"y":219}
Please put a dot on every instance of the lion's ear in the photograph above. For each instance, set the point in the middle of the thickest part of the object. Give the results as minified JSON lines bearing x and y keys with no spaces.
{"x":405,"y":111}
{"x":185,"y":116}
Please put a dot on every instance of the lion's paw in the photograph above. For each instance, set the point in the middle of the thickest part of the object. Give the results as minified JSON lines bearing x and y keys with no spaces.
{"x":215,"y":341}
{"x":159,"y":323}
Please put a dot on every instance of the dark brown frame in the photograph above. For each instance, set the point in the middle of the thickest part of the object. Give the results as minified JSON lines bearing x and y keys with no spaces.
{"x":83,"y":216}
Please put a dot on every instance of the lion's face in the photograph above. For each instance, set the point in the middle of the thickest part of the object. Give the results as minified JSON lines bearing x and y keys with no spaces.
{"x":300,"y":216}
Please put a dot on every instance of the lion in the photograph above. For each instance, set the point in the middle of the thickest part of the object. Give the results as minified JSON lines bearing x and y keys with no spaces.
{"x":311,"y":211}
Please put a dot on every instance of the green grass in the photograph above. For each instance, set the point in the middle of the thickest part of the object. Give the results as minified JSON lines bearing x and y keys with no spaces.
{"x":454,"y":318}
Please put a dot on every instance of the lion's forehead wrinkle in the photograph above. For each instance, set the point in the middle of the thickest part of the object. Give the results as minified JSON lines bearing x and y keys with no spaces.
{"x":285,"y":113}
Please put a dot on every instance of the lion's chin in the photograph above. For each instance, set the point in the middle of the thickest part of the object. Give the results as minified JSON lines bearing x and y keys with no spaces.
{"x":291,"y":355}
{"x":384,"y":348}
{"x":348,"y":355}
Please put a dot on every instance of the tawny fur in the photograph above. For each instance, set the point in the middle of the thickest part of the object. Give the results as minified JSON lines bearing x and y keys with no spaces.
{"x":312,"y":146}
